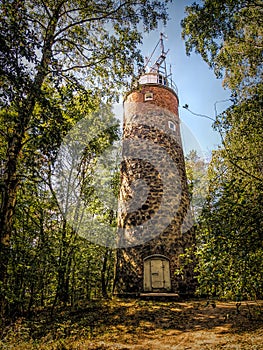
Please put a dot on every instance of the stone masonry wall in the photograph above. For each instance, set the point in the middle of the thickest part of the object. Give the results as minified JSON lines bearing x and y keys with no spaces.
{"x":155,"y":215}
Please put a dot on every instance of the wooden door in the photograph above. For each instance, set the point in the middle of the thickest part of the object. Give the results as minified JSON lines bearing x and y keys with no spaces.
{"x":157,"y":274}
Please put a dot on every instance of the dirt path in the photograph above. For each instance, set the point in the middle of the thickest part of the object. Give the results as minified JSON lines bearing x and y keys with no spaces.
{"x":147,"y":325}
{"x":191,"y":325}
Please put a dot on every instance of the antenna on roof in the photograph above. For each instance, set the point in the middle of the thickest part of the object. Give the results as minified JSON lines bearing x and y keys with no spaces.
{"x":157,"y":73}
{"x":161,"y":59}
{"x":160,"y":63}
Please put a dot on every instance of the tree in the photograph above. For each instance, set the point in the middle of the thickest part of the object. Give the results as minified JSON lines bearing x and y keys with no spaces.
{"x":59,"y":45}
{"x":196,"y":169}
{"x":228,"y":35}
{"x":44,"y":244}
{"x":229,"y":238}
{"x":88,"y":47}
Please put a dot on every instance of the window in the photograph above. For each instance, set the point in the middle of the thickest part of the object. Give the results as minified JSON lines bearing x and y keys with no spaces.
{"x":171,"y":125}
{"x":148,"y":96}
{"x":162,"y":80}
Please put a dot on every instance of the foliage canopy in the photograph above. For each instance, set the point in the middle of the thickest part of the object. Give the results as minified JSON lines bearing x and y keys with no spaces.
{"x":228,"y":35}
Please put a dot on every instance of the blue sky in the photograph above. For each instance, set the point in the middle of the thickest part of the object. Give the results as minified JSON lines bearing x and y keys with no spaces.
{"x":196,"y":82}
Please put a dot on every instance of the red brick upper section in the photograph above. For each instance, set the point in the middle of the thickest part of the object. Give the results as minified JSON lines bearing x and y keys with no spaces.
{"x":162,"y":96}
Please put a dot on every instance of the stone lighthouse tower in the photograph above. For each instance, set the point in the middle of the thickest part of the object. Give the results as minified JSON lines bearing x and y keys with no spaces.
{"x":154,"y":220}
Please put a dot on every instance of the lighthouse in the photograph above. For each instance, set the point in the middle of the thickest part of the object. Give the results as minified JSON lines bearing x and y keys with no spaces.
{"x":155,"y":223}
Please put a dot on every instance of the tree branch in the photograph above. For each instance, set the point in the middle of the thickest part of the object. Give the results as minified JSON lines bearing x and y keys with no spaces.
{"x":33,"y":20}
{"x":3,"y":134}
{"x":77,"y":47}
{"x":86,"y":65}
{"x":67,"y":12}
{"x":46,"y":8}
{"x":107,"y":15}
{"x":225,"y":148}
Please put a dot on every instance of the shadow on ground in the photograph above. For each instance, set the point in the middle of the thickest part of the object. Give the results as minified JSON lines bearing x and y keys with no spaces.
{"x":132,"y":316}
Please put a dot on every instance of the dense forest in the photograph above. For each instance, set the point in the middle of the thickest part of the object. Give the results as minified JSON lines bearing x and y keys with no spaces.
{"x":228,"y":36}
{"x":65,"y":60}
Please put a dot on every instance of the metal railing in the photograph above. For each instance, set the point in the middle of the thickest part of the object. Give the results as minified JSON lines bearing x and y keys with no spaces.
{"x":152,"y":78}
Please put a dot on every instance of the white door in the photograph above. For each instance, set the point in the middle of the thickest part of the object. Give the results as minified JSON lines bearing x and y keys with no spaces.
{"x":157,"y":274}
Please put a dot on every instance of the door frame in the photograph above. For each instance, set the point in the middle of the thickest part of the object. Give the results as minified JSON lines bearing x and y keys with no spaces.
{"x":147,"y":274}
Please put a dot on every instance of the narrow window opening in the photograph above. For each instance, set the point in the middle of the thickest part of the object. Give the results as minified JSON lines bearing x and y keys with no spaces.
{"x":162,"y":80}
{"x":171,"y":125}
{"x":148,"y":96}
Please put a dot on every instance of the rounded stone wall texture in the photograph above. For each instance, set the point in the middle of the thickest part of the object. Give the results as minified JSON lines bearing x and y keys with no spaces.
{"x":154,"y":215}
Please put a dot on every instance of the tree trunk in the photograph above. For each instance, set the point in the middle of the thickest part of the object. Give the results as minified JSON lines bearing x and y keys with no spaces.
{"x":7,"y":212}
{"x":103,"y":275}
{"x":25,"y":109}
